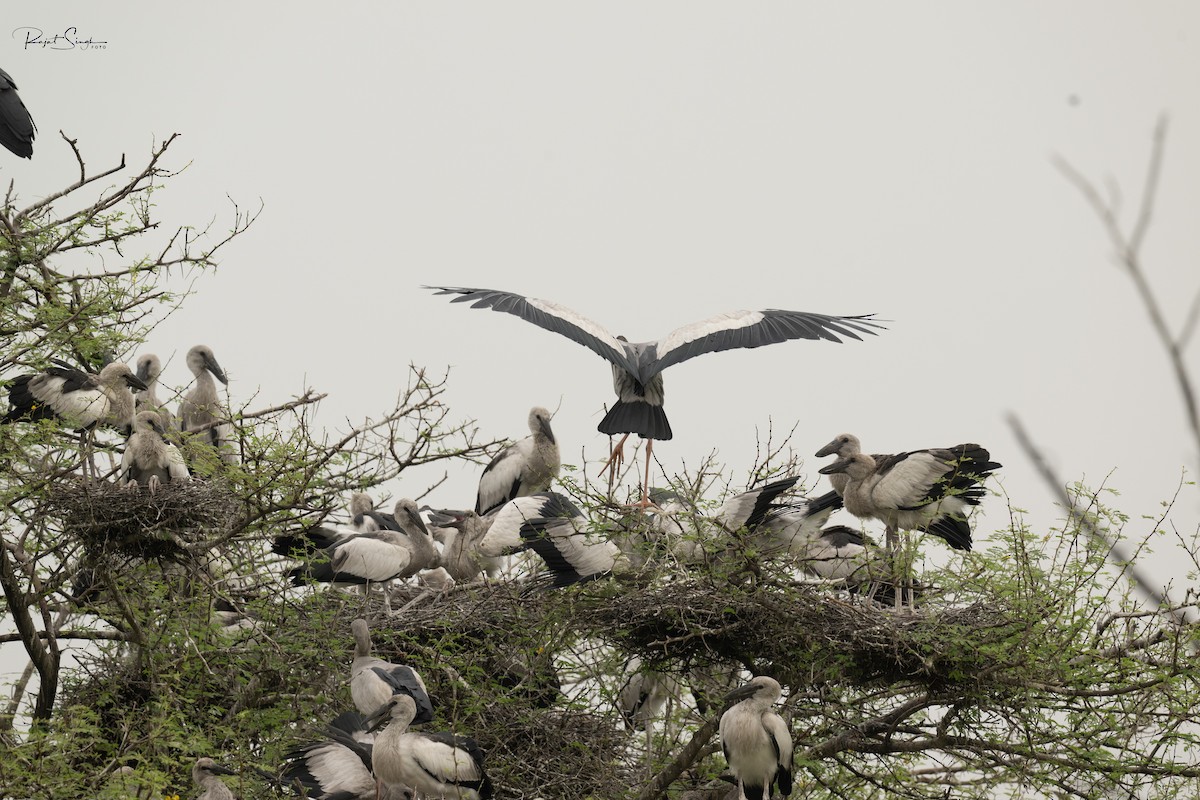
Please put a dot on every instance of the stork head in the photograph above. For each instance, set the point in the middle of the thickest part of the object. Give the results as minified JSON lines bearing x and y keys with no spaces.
{"x":406,"y":510}
{"x":201,"y":358}
{"x":148,"y":368}
{"x":539,"y":422}
{"x":857,"y":466}
{"x":845,"y":445}
{"x":205,"y":767}
{"x":148,"y":421}
{"x":400,"y":709}
{"x":116,"y":372}
{"x":762,"y":688}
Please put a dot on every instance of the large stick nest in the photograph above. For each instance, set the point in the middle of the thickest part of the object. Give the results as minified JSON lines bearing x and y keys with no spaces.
{"x":113,"y":520}
{"x":802,"y":634}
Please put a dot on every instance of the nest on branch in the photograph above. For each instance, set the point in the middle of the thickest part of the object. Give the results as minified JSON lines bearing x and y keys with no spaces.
{"x":803,"y":634}
{"x":113,"y":520}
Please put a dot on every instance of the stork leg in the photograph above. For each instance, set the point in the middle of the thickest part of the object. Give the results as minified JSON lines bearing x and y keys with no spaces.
{"x":616,"y":458}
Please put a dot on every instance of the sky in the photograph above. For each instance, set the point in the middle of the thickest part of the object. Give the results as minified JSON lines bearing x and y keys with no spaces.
{"x":653,"y":164}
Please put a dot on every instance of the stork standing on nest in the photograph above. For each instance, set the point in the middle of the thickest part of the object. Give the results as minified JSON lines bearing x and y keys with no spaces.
{"x":637,"y":366}
{"x":922,"y":490}
{"x":522,"y":468}
{"x":77,"y":398}
{"x":201,"y":410}
{"x":553,"y":527}
{"x":756,"y":740}
{"x":149,"y":459}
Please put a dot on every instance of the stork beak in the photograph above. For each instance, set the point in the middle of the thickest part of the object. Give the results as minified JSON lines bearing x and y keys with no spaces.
{"x":135,"y":382}
{"x":417,"y":520}
{"x":378,"y":717}
{"x":221,"y":769}
{"x":544,"y":424}
{"x":444,"y":517}
{"x":837,"y":466}
{"x":740,"y":693}
{"x":212,"y":366}
{"x":143,"y":371}
{"x":828,"y":449}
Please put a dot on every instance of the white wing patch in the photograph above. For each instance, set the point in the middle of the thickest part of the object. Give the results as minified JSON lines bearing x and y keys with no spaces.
{"x":729,"y":321}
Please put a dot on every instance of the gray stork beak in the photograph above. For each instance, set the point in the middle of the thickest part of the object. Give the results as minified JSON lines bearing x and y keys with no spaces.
{"x":544,"y":424}
{"x":379,"y":717}
{"x":828,"y":449}
{"x":740,"y":693}
{"x":416,"y":519}
{"x":445,"y":517}
{"x":837,"y":466}
{"x":143,"y":371}
{"x":135,"y":382}
{"x":212,"y":366}
{"x":221,"y":769}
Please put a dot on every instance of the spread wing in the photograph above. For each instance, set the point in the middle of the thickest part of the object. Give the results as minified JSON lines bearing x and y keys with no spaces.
{"x":745,"y":329}
{"x":550,"y":316}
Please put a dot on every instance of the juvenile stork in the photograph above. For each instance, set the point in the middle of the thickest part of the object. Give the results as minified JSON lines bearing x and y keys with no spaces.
{"x":373,"y":681}
{"x":436,"y":765}
{"x":756,"y":740}
{"x":921,"y":490}
{"x":149,"y":459}
{"x":77,"y":398}
{"x":17,"y":130}
{"x":201,"y":410}
{"x":844,"y":446}
{"x":363,"y":558}
{"x":338,"y":767}
{"x":461,"y":532}
{"x":553,"y":527}
{"x":205,"y":773}
{"x":149,"y":368}
{"x":365,"y":519}
{"x":522,"y":468}
{"x":753,"y":517}
{"x":637,"y":366}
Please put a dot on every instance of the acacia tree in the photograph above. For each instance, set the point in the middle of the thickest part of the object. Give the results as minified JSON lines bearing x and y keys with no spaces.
{"x":1028,"y":669}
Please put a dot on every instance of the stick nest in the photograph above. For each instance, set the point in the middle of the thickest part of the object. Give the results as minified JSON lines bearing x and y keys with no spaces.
{"x":112,"y":520}
{"x":803,"y":634}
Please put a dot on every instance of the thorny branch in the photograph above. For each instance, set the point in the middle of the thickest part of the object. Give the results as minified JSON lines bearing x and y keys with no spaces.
{"x":1128,"y":251}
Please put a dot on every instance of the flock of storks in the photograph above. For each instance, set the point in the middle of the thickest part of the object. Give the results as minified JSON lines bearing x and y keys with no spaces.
{"x":928,"y":490}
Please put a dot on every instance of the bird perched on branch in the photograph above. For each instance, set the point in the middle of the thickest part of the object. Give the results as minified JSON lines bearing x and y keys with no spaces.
{"x":756,"y":740}
{"x":441,"y":765}
{"x":373,"y":681}
{"x":338,"y":767}
{"x":522,"y":468}
{"x":17,"y":130}
{"x":637,"y":366}
{"x":77,"y":398}
{"x":201,"y":410}
{"x":921,"y":490}
{"x":552,"y":526}
{"x":149,"y":459}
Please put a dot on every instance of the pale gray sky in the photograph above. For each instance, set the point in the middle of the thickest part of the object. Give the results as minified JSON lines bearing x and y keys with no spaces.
{"x":651,"y":164}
